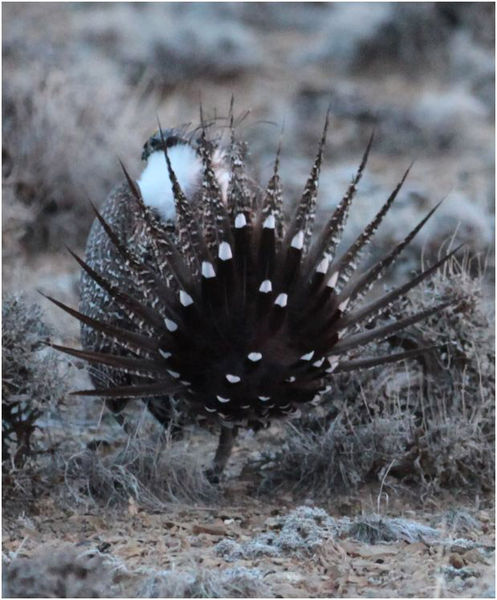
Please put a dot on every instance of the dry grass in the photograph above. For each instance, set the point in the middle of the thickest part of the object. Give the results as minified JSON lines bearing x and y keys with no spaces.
{"x":319,"y":457}
{"x":146,"y":469}
{"x":456,"y":444}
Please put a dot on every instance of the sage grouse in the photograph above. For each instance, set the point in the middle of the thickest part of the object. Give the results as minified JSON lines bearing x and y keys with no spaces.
{"x":198,"y":293}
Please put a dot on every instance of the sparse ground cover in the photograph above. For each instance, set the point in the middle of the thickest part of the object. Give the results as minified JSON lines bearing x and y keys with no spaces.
{"x":243,"y":547}
{"x":386,"y":489}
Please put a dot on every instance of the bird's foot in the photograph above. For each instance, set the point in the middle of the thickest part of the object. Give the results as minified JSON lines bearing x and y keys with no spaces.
{"x":213,"y":475}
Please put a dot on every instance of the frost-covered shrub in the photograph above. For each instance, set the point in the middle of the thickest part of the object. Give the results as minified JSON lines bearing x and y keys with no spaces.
{"x":237,"y":582}
{"x":373,"y":529}
{"x":31,"y":383}
{"x":299,"y":533}
{"x":456,"y":439}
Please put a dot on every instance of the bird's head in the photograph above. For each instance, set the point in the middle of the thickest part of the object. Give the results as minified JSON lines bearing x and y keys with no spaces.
{"x":183,"y":149}
{"x":168,"y":138}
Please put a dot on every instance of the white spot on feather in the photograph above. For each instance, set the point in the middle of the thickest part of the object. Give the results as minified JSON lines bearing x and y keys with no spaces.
{"x":307,"y":356}
{"x":233,"y":378}
{"x":240,"y":221}
{"x":223,"y":400}
{"x":224,"y":251}
{"x":281,"y":300}
{"x":333,"y":280}
{"x":333,"y":364}
{"x":207,"y":270}
{"x":185,"y":298}
{"x":265,"y":286}
{"x":171,"y":325}
{"x":298,"y":240}
{"x":270,"y":222}
{"x":164,"y":354}
{"x":254,"y":356}
{"x":323,"y":265}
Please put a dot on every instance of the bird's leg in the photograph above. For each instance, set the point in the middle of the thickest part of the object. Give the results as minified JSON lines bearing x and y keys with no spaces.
{"x":224,"y":448}
{"x":223,"y":452}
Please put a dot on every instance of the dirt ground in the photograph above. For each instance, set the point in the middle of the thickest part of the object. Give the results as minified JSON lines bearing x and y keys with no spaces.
{"x":140,"y":544}
{"x":83,"y":84}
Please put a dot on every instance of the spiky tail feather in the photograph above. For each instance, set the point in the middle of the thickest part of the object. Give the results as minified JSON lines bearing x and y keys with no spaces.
{"x":243,"y":323}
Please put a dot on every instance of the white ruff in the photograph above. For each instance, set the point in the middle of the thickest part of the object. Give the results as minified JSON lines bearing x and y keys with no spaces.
{"x":155,"y":185}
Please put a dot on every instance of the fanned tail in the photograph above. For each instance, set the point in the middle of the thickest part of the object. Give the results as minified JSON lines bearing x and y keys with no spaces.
{"x":241,"y":316}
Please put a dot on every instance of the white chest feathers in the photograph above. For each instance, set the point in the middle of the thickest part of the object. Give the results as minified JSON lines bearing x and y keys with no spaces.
{"x":154,"y":182}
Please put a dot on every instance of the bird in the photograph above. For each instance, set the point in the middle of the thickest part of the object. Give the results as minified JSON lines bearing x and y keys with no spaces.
{"x":205,"y":297}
